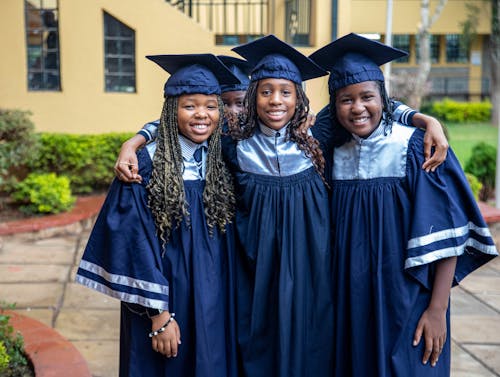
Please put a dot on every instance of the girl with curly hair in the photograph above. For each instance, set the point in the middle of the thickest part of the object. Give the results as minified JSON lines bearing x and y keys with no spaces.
{"x":166,"y":244}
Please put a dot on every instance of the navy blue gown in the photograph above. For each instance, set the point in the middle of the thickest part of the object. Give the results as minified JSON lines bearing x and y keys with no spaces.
{"x":192,"y":276}
{"x":284,"y":308}
{"x":391,"y":222}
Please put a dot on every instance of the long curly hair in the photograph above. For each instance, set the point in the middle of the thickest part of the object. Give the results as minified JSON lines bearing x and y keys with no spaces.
{"x":340,"y":135}
{"x":243,"y":125}
{"x":167,"y":199}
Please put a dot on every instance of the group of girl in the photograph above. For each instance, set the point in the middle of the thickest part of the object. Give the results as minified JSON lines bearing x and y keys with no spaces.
{"x":284,"y":248}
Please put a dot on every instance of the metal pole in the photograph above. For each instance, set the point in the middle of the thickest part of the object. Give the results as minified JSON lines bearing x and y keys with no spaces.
{"x":497,"y":174}
{"x":388,"y":41}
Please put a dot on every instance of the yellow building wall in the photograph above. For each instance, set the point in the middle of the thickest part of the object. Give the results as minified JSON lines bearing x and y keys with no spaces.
{"x":83,"y":106}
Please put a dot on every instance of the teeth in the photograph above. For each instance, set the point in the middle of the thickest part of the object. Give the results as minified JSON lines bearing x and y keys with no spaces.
{"x":276,"y":112}
{"x":360,"y":120}
{"x":200,"y":126}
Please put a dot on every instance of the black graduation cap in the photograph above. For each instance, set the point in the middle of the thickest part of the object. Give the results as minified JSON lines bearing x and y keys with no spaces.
{"x":352,"y":59}
{"x":240,"y":68}
{"x":273,"y":58}
{"x":194,"y":73}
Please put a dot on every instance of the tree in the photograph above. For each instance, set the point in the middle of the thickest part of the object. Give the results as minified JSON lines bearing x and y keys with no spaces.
{"x":424,"y":38}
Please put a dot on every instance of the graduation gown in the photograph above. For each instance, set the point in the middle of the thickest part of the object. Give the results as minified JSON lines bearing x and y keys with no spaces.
{"x":284,"y":308}
{"x":192,"y":276}
{"x":392,"y":221}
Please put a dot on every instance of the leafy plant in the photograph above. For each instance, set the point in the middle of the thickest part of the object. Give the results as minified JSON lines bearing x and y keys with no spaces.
{"x":18,"y":142}
{"x":13,"y":344}
{"x":87,"y":160}
{"x":452,"y":111}
{"x":44,"y":193}
{"x":474,"y":184}
{"x":482,"y":164}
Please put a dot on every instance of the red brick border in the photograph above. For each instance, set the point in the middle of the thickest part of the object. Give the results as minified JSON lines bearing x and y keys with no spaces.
{"x":51,"y":354}
{"x":85,"y":207}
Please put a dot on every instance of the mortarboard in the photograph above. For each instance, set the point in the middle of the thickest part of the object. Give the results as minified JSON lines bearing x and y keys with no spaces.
{"x":352,"y":59}
{"x":240,"y":68}
{"x":194,"y":73}
{"x":273,"y":58}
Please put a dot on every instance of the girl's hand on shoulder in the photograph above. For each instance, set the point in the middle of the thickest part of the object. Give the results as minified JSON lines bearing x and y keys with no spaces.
{"x":168,"y":341}
{"x":307,"y":123}
{"x":432,"y":326}
{"x":434,"y":137}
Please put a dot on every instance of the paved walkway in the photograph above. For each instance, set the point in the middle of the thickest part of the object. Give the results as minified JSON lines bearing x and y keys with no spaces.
{"x":37,"y":272}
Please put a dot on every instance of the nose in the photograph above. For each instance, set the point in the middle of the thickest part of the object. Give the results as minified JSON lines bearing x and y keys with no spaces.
{"x":357,"y":107}
{"x":275,"y":98}
{"x":200,"y":113}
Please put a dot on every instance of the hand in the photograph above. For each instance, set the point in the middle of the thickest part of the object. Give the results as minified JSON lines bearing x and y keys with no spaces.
{"x":307,"y":123}
{"x":432,"y":325}
{"x":126,"y":166}
{"x":434,"y":137}
{"x":168,"y":341}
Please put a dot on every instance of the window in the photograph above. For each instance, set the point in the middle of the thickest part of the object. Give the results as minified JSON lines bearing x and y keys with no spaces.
{"x":455,"y":52}
{"x":298,"y":22}
{"x":42,"y":44}
{"x":119,"y":56}
{"x":434,"y":49}
{"x":403,"y":43}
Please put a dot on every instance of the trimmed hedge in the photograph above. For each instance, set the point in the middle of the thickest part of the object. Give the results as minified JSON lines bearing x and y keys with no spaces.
{"x":87,"y":160}
{"x":482,"y":164}
{"x":44,"y":193}
{"x":460,"y":112}
{"x":17,"y":143}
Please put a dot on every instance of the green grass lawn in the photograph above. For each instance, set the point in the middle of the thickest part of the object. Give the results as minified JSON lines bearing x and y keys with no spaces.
{"x":463,"y":137}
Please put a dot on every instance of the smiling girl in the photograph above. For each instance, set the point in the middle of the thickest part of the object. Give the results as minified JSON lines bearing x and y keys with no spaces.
{"x":403,"y":236}
{"x":165,"y":245}
{"x":283,"y":294}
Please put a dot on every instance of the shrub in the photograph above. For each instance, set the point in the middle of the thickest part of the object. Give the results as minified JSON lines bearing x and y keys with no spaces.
{"x":475,"y":185}
{"x":87,"y":160}
{"x":14,"y":347}
{"x":4,"y":358}
{"x":44,"y":193}
{"x":482,"y":164}
{"x":17,"y":144}
{"x":460,"y":112}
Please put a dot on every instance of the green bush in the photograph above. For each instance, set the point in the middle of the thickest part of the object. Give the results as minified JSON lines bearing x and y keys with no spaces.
{"x":17,"y":144}
{"x":44,"y":193}
{"x":475,"y":185}
{"x":482,"y":164}
{"x":13,"y":344}
{"x":460,"y":112}
{"x":87,"y":160}
{"x":4,"y":358}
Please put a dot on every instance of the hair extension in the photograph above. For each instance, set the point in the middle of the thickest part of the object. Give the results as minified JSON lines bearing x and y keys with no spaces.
{"x":340,"y":134}
{"x":244,"y":125}
{"x":167,"y":199}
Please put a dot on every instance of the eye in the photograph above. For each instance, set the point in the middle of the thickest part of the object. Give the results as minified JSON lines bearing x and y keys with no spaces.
{"x":345,"y":101}
{"x":265,"y":92}
{"x":212,"y":107}
{"x":188,"y":107}
{"x":286,"y":92}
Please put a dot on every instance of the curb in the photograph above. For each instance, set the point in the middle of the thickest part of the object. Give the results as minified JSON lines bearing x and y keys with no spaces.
{"x":50,"y":353}
{"x":85,"y":208}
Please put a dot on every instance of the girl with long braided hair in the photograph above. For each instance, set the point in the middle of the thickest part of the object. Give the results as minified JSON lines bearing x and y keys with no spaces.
{"x":282,"y":219}
{"x":165,"y":246}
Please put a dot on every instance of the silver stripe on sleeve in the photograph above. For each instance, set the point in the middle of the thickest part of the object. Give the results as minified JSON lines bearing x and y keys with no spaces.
{"x":122,"y":296}
{"x":123,"y":280}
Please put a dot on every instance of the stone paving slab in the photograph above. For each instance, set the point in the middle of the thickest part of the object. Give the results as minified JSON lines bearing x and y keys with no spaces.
{"x":489,"y":354}
{"x":101,"y":356}
{"x":475,"y":329}
{"x":94,"y":324}
{"x":464,"y":303}
{"x":32,"y":295}
{"x":78,"y":296}
{"x":464,"y":364}
{"x":33,"y":252}
{"x":17,"y":273}
{"x":482,"y":284}
{"x":493,"y":300}
{"x":43,"y":315}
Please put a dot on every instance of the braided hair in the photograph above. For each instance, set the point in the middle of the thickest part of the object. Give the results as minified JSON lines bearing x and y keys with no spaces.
{"x":167,"y":199}
{"x":340,"y":135}
{"x":243,"y":125}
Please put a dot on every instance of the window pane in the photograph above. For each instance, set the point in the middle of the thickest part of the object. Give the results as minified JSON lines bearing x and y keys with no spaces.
{"x":455,"y":53}
{"x":119,"y":55}
{"x":403,"y":43}
{"x":42,"y":37}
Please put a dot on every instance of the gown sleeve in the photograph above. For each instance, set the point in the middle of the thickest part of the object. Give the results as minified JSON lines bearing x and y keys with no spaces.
{"x":402,"y":113}
{"x":445,"y":218}
{"x":123,"y":255}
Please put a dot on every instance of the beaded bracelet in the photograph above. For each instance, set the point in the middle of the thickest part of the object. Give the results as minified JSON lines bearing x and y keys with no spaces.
{"x":163,"y":328}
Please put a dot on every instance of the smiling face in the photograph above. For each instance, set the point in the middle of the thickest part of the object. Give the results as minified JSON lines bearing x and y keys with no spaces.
{"x":359,"y":107}
{"x":197,"y":116}
{"x":233,"y":101}
{"x":276,"y":100}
